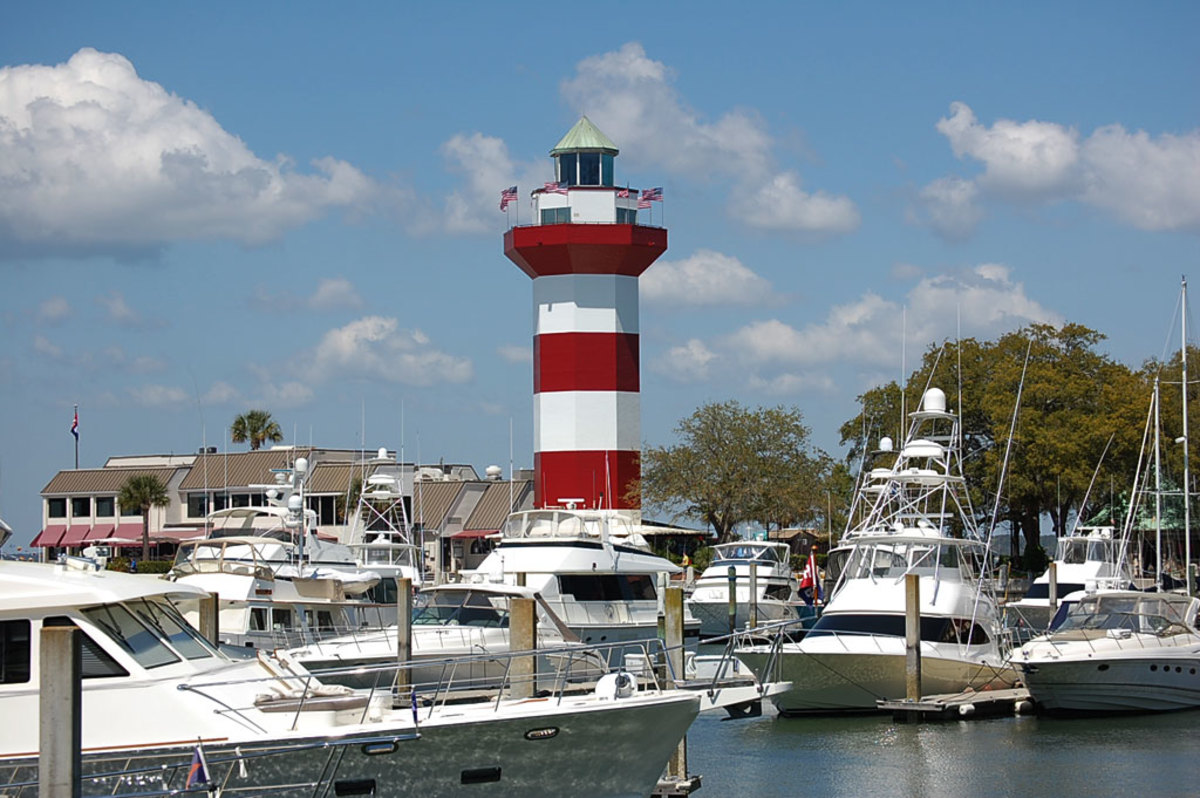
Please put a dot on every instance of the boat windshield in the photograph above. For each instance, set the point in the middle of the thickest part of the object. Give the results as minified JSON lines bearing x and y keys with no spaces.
{"x":895,"y":559}
{"x":563,"y":524}
{"x":1151,"y":614}
{"x":747,"y":552}
{"x":461,"y":608}
{"x":148,"y":633}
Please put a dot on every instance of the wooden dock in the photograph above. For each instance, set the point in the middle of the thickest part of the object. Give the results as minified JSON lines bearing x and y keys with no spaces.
{"x":960,"y":706}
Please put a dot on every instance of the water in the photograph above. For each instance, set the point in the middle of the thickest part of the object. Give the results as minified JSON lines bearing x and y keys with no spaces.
{"x":1012,"y":757}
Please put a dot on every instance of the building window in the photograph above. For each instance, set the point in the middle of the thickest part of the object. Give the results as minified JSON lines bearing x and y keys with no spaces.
{"x":105,"y":506}
{"x":606,"y":169}
{"x":626,"y":216}
{"x":325,"y":507}
{"x":566,"y":169}
{"x":556,"y":215}
{"x":81,"y":507}
{"x":220,"y":501}
{"x":197,"y":505}
{"x":56,"y":508}
{"x":589,"y":168}
{"x":241,"y":500}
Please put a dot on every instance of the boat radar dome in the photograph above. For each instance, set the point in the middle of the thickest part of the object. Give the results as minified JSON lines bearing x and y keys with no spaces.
{"x":935,"y":401}
{"x":885,"y":444}
{"x":494,"y":472}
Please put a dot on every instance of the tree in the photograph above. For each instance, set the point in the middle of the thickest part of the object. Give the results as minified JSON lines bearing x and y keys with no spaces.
{"x":734,"y":465}
{"x":139,"y":493}
{"x":257,"y":427}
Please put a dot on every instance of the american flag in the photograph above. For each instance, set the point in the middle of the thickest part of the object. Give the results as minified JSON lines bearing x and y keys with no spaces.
{"x":649,"y":195}
{"x":557,"y":188}
{"x":506,"y":196}
{"x":75,"y":425}
{"x":623,"y":192}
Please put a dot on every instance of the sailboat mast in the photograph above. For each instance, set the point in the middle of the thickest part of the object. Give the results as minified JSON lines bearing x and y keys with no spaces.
{"x":1157,"y":493}
{"x":1187,"y":514}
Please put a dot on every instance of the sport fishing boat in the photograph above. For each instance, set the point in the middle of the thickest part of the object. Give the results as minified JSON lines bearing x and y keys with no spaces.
{"x":775,"y":596}
{"x":855,"y":654}
{"x":592,"y":567}
{"x":1116,"y":651}
{"x":163,"y":711}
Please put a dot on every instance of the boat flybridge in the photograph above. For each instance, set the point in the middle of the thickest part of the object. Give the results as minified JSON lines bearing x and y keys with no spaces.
{"x":916,"y":522}
{"x":592,"y":567}
{"x":775,"y":599}
{"x":156,"y":697}
{"x":380,"y":534}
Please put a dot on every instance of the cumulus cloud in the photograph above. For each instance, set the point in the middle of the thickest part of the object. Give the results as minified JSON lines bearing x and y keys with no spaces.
{"x":691,"y":362}
{"x":632,"y":98}
{"x":374,"y":347}
{"x":120,"y":313}
{"x":95,"y":158}
{"x":515,"y":354}
{"x":53,"y":310}
{"x":1151,"y":183}
{"x":154,"y":396}
{"x":705,"y":278}
{"x":44,"y":347}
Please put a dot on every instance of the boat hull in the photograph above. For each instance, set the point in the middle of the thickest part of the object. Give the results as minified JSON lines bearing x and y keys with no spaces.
{"x":832,"y":682}
{"x":619,"y":750}
{"x":714,"y":616}
{"x":1150,"y":684}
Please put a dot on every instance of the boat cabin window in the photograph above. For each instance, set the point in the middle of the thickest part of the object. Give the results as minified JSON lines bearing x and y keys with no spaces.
{"x":1149,"y":614}
{"x":463,"y":608}
{"x":894,"y":560}
{"x":748,"y":553}
{"x":933,"y":629}
{"x":96,"y":662}
{"x":170,"y":625}
{"x":14,"y":651}
{"x":144,"y":645}
{"x":608,"y":587}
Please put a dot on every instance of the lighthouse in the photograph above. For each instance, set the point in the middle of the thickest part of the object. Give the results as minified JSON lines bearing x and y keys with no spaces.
{"x":585,"y":251}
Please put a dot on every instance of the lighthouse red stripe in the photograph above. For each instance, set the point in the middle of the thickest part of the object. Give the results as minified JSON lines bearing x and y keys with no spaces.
{"x":577,"y":361}
{"x":601,"y":479}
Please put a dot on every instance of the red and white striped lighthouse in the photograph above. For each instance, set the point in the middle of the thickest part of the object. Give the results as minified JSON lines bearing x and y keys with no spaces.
{"x":585,"y":252}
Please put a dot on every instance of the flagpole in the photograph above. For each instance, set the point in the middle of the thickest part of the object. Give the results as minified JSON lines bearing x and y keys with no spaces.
{"x":75,"y":430}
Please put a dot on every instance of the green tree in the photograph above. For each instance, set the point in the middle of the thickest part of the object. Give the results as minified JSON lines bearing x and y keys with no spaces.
{"x":733,"y":465}
{"x":138,"y":494}
{"x":257,"y":427}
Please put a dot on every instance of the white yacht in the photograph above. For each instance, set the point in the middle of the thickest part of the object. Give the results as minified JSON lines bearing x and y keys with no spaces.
{"x":592,"y":567}
{"x":1117,"y":651}
{"x":855,"y":654}
{"x":156,"y":696}
{"x":775,"y":598}
{"x":1092,"y":556}
{"x":451,"y":620}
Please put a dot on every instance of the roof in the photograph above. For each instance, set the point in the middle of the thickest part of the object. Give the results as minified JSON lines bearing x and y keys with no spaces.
{"x":584,"y":136}
{"x":494,"y":507}
{"x":103,"y":480}
{"x":239,"y":469}
{"x":432,"y":502}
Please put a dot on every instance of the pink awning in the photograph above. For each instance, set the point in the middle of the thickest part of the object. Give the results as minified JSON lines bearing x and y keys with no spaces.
{"x":474,"y":533}
{"x":50,"y":535}
{"x":75,"y":534}
{"x":99,"y":532}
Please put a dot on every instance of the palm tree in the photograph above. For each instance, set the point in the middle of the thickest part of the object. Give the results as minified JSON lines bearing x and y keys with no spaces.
{"x":139,"y":493}
{"x":255,"y":426}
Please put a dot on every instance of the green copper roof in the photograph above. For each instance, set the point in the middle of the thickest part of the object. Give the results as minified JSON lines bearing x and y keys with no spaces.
{"x":584,"y":136}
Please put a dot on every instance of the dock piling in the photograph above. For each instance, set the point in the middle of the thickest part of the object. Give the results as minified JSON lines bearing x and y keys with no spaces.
{"x":60,"y":731}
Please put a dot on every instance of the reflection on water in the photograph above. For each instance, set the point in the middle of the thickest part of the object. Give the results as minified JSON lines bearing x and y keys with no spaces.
{"x":1013,"y":757}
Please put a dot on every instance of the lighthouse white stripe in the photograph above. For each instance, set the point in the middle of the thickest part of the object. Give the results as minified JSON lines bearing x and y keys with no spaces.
{"x":585,"y":303}
{"x":579,"y":421}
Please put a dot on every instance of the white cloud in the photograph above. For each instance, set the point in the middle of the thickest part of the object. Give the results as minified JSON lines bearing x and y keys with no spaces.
{"x":515,"y":354}
{"x":1151,"y":183}
{"x":142,"y":364}
{"x":691,"y":362}
{"x":950,"y":206}
{"x":631,"y":98}
{"x":46,"y":348}
{"x":221,"y":393}
{"x":335,"y":293}
{"x":705,"y":278}
{"x":485,"y":163}
{"x":118,"y":310}
{"x":374,"y":347}
{"x":95,"y":158}
{"x":780,"y":204}
{"x":158,"y":396}
{"x":54,"y":310}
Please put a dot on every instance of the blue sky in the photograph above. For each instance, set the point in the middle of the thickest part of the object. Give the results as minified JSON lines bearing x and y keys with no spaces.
{"x":206,"y":208}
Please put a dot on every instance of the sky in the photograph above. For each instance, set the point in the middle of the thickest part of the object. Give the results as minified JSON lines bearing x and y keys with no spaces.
{"x":209,"y":208}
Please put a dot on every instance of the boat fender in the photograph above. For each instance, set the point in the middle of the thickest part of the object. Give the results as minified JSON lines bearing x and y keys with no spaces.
{"x":612,"y":686}
{"x":966,"y":710}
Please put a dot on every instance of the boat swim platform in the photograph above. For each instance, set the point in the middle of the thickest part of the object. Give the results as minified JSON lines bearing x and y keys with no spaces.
{"x":960,"y":706}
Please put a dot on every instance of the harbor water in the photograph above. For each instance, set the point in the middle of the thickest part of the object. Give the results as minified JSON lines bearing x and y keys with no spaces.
{"x":1006,"y":757}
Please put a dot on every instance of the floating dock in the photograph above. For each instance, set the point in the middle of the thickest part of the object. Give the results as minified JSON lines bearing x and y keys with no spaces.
{"x":960,"y":706}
